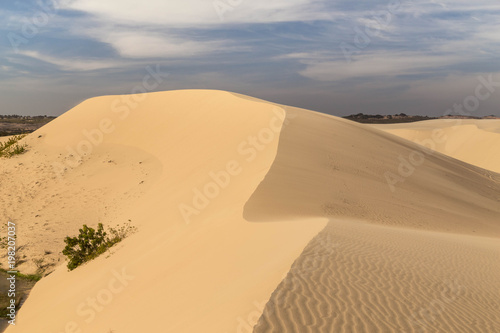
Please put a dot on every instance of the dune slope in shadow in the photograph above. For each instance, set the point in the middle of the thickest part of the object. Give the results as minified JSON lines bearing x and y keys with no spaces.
{"x":421,"y":258}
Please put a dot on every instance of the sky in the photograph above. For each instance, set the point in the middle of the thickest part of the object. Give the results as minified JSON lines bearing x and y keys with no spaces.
{"x":339,"y":57}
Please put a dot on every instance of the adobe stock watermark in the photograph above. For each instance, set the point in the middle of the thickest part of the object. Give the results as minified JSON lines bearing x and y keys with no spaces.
{"x":222,"y":7}
{"x":422,"y":320}
{"x":221,"y":179}
{"x":89,"y":309}
{"x":363,"y":35}
{"x":122,"y":107}
{"x":31,"y":26}
{"x":408,"y":165}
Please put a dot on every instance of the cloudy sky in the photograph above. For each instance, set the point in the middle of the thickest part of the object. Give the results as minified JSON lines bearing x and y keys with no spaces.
{"x":334,"y":56}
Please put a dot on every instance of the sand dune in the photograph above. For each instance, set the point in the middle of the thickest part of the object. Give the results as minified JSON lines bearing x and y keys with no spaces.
{"x":231,"y":196}
{"x":212,"y":266}
{"x":355,"y":277}
{"x":473,"y":141}
{"x":327,"y":166}
{"x":407,"y":271}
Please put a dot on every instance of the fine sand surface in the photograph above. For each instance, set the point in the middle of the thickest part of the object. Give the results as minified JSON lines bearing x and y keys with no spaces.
{"x":250,"y":213}
{"x":473,"y":141}
{"x":5,"y":138}
{"x":356,"y":277}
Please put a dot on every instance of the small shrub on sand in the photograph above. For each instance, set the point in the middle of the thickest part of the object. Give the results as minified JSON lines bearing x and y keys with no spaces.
{"x":121,"y":232}
{"x":12,"y":147}
{"x":91,"y":243}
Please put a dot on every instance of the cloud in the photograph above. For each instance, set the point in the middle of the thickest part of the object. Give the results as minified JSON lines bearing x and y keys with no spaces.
{"x":73,"y":64}
{"x":199,"y":12}
{"x":489,"y":34}
{"x":155,"y":45}
{"x":285,"y":48}
{"x":427,"y":38}
{"x":375,"y":64}
{"x":168,"y":29}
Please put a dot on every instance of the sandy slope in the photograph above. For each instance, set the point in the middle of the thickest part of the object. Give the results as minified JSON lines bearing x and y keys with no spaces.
{"x":327,"y":166}
{"x":473,"y":141}
{"x":364,"y":278}
{"x":275,"y":176}
{"x":416,"y":269}
{"x":5,"y":138}
{"x":180,"y":275}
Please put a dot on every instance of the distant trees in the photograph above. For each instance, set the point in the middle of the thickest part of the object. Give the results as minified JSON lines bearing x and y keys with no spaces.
{"x":376,"y":116}
{"x":383,"y":119}
{"x":16,"y":116}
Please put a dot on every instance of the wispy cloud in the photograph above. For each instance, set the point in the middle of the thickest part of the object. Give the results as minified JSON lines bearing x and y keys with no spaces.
{"x":290,"y":49}
{"x":73,"y":64}
{"x":199,"y":12}
{"x":131,"y":44}
{"x":383,"y":64}
{"x":167,"y":29}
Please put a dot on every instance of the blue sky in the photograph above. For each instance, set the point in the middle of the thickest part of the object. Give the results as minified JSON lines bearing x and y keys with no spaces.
{"x":337,"y":57}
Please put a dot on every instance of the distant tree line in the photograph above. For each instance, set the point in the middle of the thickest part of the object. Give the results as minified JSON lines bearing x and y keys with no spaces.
{"x":16,"y":116}
{"x":380,"y":119}
{"x":13,"y":124}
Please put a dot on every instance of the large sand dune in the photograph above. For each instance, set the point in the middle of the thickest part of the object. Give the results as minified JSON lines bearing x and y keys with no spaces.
{"x":231,"y":196}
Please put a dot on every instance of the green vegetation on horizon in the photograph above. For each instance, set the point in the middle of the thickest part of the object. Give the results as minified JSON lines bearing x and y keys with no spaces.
{"x":16,"y":119}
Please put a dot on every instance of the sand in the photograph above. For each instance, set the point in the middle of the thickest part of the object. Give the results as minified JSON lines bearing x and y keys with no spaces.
{"x":250,"y":212}
{"x":356,"y":277}
{"x":473,"y":141}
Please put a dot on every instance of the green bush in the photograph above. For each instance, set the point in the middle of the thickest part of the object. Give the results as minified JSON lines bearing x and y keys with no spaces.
{"x":91,"y":243}
{"x":11,"y":147}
